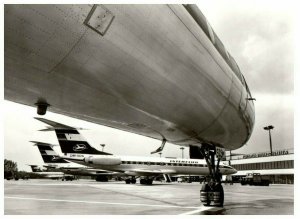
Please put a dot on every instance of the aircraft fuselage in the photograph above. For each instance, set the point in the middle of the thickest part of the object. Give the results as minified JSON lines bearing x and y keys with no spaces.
{"x":152,"y":71}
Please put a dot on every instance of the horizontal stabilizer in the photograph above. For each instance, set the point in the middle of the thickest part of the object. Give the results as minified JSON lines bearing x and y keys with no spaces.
{"x":36,"y":143}
{"x":70,"y":140}
{"x":53,"y":124}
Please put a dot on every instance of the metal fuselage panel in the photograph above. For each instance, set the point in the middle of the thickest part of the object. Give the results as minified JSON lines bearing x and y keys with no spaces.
{"x":154,"y":72}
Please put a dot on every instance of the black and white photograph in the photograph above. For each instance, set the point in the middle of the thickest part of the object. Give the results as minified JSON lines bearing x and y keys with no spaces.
{"x":149,"y":108}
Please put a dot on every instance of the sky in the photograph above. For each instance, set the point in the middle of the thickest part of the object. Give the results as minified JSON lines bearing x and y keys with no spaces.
{"x":259,"y":35}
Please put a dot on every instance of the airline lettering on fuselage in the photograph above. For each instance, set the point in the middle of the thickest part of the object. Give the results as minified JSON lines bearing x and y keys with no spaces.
{"x":76,"y":155}
{"x":79,"y":147}
{"x":183,"y":161}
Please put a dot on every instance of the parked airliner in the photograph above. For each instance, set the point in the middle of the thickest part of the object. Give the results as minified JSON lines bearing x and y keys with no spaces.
{"x":53,"y":161}
{"x":78,"y":150}
{"x":48,"y":172}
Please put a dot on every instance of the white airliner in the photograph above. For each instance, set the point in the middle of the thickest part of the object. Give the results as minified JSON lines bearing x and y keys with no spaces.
{"x":48,"y":172}
{"x":78,"y":150}
{"x":53,"y":161}
{"x":156,"y":70}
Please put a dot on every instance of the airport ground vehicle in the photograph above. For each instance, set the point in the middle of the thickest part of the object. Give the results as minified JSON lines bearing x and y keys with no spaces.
{"x":255,"y":179}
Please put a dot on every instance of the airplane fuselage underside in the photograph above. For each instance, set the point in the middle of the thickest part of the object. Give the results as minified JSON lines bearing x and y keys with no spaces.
{"x":154,"y":72}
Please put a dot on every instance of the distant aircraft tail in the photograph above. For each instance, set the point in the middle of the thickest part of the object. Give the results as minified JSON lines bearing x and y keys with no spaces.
{"x":70,"y":140}
{"x":35,"y":168}
{"x":48,"y":154}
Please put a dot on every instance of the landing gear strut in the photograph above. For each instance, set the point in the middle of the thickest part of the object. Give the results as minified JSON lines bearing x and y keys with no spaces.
{"x":212,"y":193}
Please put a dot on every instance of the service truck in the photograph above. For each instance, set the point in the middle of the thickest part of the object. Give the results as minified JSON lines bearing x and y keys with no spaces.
{"x":255,"y":179}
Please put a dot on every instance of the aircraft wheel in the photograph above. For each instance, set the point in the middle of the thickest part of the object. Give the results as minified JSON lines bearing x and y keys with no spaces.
{"x":204,"y":195}
{"x":149,"y":181}
{"x":142,"y":181}
{"x":127,"y":181}
{"x":133,"y":181}
{"x":218,"y":196}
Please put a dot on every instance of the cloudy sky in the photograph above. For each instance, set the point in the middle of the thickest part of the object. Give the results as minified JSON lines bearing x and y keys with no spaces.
{"x":258,"y":34}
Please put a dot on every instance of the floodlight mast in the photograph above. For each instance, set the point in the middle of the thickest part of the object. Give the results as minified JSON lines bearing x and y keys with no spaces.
{"x":269,"y":128}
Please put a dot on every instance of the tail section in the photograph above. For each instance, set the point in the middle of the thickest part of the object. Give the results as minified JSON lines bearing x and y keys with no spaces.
{"x":70,"y":140}
{"x":35,"y":168}
{"x":48,"y":154}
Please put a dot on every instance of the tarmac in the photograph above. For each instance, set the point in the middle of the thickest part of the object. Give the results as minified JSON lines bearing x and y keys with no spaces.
{"x":88,"y":197}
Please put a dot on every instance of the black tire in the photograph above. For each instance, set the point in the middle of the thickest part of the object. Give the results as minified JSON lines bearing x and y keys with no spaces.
{"x":101,"y":178}
{"x":142,"y":181}
{"x":149,"y":181}
{"x":219,"y":188}
{"x":127,"y":181}
{"x":204,"y":195}
{"x":133,"y":181}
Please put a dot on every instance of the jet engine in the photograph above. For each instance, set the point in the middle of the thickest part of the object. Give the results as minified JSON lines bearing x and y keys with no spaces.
{"x":105,"y":160}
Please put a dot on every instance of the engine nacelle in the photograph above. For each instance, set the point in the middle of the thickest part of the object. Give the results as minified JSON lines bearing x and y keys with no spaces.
{"x":105,"y":160}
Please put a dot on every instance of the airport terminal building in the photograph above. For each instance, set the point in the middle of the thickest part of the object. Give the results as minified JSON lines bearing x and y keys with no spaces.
{"x":279,"y":165}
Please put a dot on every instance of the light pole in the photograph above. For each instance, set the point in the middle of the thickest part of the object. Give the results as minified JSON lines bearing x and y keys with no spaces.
{"x":269,"y":128}
{"x":182,"y":148}
{"x":102,"y":145}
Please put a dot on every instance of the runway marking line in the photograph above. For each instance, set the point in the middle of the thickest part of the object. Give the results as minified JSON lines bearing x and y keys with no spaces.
{"x":200,"y":209}
{"x":96,"y":202}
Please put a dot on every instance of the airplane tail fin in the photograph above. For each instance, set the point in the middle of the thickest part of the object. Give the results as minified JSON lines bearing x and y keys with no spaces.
{"x":70,"y":140}
{"x":35,"y":168}
{"x":48,"y":154}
